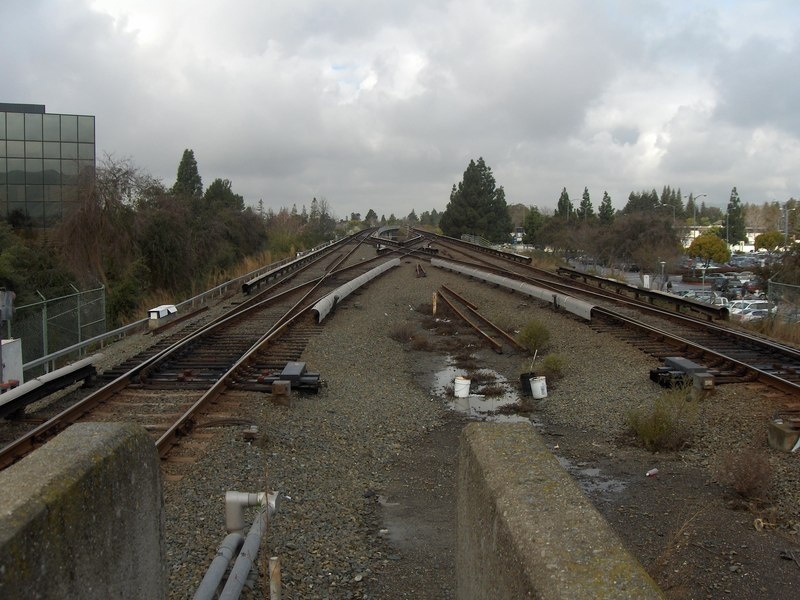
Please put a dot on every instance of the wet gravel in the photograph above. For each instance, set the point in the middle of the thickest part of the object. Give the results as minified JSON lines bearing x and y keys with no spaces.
{"x":334,"y":455}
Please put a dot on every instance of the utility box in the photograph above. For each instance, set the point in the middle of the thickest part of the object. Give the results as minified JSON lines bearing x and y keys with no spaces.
{"x":161,"y":314}
{"x":11,"y":356}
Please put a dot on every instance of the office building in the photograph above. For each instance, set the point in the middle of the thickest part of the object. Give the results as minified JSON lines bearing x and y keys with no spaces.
{"x":45,"y":159}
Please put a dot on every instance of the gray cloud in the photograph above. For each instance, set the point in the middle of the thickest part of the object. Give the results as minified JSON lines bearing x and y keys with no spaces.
{"x":382,"y":104}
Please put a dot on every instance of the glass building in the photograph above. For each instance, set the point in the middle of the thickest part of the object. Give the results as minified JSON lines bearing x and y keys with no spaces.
{"x":44,"y":160}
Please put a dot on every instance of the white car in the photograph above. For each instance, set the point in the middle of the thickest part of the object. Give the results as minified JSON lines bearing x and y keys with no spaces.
{"x":738,"y":307}
{"x":754,"y":314}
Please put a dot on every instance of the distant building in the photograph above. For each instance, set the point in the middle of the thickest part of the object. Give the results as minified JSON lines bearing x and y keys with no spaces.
{"x":43,"y":159}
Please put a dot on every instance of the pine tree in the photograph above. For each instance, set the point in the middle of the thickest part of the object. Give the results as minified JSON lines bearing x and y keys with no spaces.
{"x":606,"y":211}
{"x":585,"y":211}
{"x":564,"y":207}
{"x":476,"y":206}
{"x":188,"y":182}
{"x":734,"y":220}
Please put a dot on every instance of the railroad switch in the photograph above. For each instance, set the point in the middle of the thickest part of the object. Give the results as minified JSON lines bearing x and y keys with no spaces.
{"x":680,"y":371}
{"x":294,"y":376}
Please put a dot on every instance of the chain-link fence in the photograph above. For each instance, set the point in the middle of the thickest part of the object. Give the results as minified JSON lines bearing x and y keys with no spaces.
{"x":56,"y":323}
{"x":787,"y":298}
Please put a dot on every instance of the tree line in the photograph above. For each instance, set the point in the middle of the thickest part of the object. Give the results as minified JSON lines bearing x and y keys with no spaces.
{"x":143,"y":240}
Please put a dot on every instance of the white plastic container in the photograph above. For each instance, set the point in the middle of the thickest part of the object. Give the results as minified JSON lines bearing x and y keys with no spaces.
{"x":539,"y":388}
{"x":461,"y":387}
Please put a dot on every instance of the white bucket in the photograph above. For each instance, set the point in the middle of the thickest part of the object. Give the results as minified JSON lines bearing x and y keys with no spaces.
{"x":539,"y":388}
{"x":461,"y":387}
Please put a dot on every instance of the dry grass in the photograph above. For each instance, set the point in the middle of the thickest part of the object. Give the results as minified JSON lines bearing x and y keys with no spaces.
{"x":778,"y":329}
{"x":403,"y":332}
{"x":492,"y":390}
{"x":666,"y":424}
{"x":746,"y":470}
{"x":420,"y":341}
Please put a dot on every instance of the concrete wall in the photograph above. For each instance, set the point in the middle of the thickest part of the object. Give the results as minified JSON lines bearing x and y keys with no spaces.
{"x":525,"y":529}
{"x":82,"y":517}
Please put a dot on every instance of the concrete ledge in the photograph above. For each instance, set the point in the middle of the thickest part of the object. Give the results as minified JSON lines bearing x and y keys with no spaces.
{"x":82,"y":517}
{"x":525,"y":529}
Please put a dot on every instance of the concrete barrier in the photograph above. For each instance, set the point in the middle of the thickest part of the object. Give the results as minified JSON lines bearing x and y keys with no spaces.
{"x":82,"y":517}
{"x":525,"y":529}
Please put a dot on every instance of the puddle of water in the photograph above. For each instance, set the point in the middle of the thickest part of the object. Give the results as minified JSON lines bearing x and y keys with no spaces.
{"x":477,"y":406}
{"x":592,"y":480}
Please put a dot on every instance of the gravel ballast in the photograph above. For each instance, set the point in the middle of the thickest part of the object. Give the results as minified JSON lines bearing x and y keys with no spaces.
{"x":378,"y":438}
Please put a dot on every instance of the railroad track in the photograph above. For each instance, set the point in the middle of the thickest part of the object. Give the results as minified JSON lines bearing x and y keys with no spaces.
{"x":657,"y":324}
{"x":170,"y":388}
{"x":185,"y":378}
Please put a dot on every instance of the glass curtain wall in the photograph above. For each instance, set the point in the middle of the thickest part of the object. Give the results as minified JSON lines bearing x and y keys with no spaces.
{"x":44,"y":158}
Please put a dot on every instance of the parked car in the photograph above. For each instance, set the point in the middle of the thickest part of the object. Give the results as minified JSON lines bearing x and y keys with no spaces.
{"x":738,"y":308}
{"x":719,"y":301}
{"x":754,"y":314}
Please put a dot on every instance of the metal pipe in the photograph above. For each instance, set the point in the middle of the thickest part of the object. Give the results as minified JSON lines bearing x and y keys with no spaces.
{"x":216,"y":571}
{"x":235,"y":503}
{"x":244,"y":562}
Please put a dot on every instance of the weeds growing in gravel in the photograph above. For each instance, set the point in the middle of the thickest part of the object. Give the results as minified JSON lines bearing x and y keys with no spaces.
{"x":534,"y":336}
{"x":421,"y":342}
{"x":666,"y":424}
{"x":402,"y":332}
{"x":553,"y":366}
{"x":746,"y":470}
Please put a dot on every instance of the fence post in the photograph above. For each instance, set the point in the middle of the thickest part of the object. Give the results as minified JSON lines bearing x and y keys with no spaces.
{"x":45,"y":346}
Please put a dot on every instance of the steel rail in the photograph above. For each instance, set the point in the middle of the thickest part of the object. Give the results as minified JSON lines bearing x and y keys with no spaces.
{"x":29,"y":441}
{"x":498,"y":347}
{"x":742,"y":339}
{"x":473,"y":310}
{"x":186,"y":421}
{"x":763,"y":376}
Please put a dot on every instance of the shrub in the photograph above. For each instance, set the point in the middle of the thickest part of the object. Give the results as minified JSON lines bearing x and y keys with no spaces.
{"x":553,"y":366}
{"x":666,"y":424}
{"x":747,"y":471}
{"x":534,"y":336}
{"x":402,"y":332}
{"x":421,"y":342}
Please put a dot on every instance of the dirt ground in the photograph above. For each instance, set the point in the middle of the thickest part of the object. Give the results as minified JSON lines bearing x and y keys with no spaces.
{"x":688,"y":533}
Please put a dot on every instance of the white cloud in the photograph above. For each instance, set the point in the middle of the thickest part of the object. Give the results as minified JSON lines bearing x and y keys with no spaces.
{"x":382,"y":104}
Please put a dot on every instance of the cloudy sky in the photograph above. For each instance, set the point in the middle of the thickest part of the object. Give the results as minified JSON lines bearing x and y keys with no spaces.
{"x":382,"y":103}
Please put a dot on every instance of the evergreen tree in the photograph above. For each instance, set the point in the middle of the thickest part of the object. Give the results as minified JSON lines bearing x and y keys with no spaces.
{"x":585,"y":211}
{"x":734,"y":221}
{"x":534,"y":221}
{"x":220,"y":194}
{"x":188,"y":182}
{"x":476,"y":206}
{"x":606,"y":211}
{"x":691,"y":208}
{"x":641,"y":202}
{"x":564,"y":208}
{"x":371,"y":219}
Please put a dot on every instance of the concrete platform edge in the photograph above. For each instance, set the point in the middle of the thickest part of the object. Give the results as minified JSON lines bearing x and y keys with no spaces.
{"x":525,"y":528}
